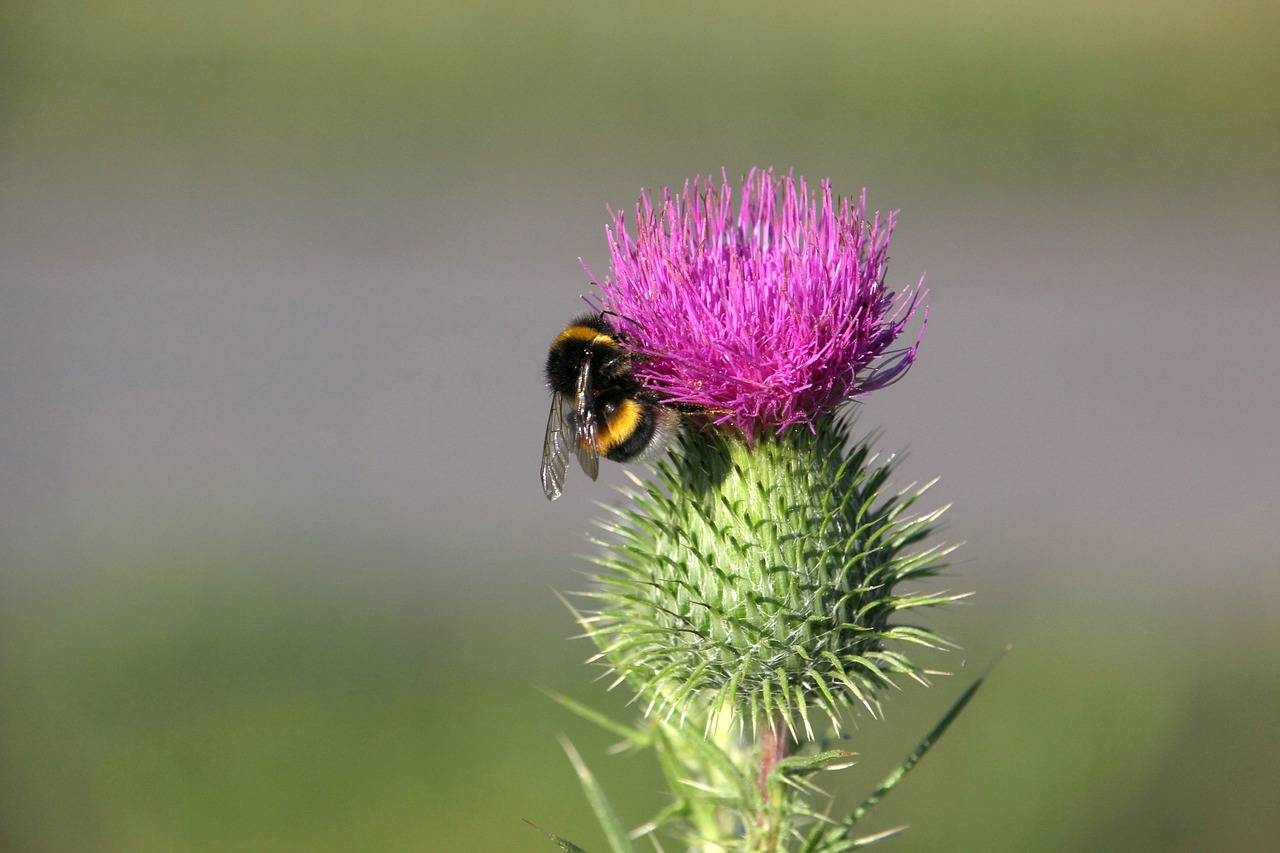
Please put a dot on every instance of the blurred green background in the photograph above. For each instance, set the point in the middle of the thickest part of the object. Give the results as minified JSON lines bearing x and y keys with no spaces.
{"x":275,"y":283}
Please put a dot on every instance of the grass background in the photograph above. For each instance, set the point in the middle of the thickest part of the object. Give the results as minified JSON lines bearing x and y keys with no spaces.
{"x":264,"y":591}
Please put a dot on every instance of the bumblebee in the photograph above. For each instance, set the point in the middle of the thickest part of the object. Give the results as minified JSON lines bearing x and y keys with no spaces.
{"x":598,"y":408}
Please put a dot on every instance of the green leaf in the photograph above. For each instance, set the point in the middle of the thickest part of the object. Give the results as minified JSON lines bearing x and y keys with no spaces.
{"x":614,"y":832}
{"x":712,"y":757}
{"x":841,"y":830}
{"x":634,"y":737}
{"x":872,"y":839}
{"x":567,"y":846}
{"x":921,"y":748}
{"x":832,"y":759}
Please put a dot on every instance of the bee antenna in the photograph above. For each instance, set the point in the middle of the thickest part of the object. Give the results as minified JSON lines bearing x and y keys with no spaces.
{"x":634,"y":323}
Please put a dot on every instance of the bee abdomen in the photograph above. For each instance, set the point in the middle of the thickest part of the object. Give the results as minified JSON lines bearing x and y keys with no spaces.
{"x":637,"y":431}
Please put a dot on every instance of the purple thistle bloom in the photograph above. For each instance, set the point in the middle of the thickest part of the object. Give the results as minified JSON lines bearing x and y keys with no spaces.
{"x":768,"y":318}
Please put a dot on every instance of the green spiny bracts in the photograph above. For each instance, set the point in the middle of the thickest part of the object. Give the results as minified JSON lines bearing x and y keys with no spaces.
{"x":765,"y":578}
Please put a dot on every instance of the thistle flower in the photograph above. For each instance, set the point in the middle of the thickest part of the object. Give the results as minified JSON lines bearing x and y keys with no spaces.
{"x":760,"y":571}
{"x":765,"y":318}
{"x":758,"y":580}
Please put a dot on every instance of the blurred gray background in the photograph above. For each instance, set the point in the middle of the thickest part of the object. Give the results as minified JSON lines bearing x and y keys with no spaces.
{"x":276,"y":283}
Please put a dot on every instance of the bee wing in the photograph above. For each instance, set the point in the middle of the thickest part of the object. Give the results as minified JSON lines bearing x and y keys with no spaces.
{"x":555,"y":448}
{"x":586,"y":443}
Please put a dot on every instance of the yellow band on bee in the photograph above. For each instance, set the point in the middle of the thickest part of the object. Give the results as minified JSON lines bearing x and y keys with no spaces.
{"x":619,"y":426}
{"x":586,"y":334}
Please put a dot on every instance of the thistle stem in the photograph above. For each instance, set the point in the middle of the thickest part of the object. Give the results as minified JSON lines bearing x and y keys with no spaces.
{"x":775,"y":745}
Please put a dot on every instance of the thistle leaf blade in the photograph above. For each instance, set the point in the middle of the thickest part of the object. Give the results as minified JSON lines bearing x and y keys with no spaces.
{"x":634,"y":737}
{"x":925,"y":744}
{"x":562,"y":843}
{"x":614,"y":832}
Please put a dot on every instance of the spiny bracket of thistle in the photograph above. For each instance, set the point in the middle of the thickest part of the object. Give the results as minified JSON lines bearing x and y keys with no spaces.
{"x":767,"y":578}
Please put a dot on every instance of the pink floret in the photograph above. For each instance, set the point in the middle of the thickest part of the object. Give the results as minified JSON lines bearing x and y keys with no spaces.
{"x":767,"y":318}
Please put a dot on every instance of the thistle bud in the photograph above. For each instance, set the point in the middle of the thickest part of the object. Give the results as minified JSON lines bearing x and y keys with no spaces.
{"x":763,"y":570}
